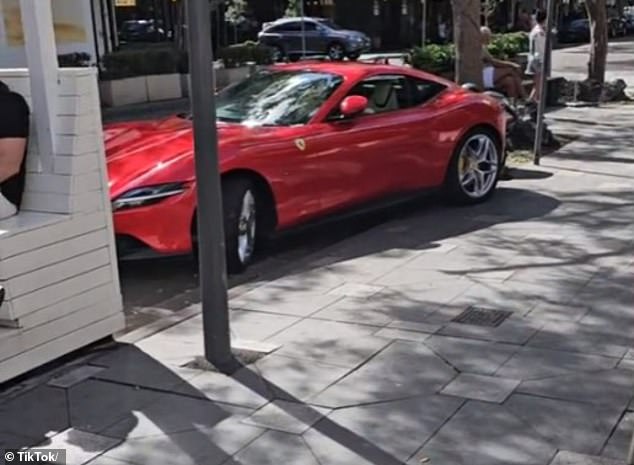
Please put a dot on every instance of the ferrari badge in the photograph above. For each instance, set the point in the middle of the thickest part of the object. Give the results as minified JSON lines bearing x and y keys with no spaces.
{"x":300,"y":144}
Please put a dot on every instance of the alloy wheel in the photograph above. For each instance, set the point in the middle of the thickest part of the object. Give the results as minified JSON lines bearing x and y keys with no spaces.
{"x":478,"y":166}
{"x":247,"y":227}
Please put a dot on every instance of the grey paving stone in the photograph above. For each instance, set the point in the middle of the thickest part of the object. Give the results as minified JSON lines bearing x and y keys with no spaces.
{"x":401,"y":334}
{"x":104,"y":460}
{"x":288,"y":417}
{"x":482,"y":433}
{"x":608,"y":387}
{"x":225,"y":389}
{"x":415,"y":326}
{"x":619,"y":444}
{"x":275,"y":448}
{"x":398,"y":428}
{"x":170,"y":413}
{"x":350,"y":310}
{"x":568,"y":425}
{"x":255,"y":326}
{"x":567,"y":312}
{"x":470,"y":356}
{"x":290,"y":378}
{"x":409,"y":276}
{"x":572,"y":458}
{"x":533,"y":363}
{"x":514,"y":330}
{"x":201,"y":443}
{"x":430,"y":293}
{"x":342,"y":352}
{"x":35,"y":414}
{"x":80,"y":447}
{"x":360,"y":291}
{"x":76,"y":375}
{"x":320,"y":330}
{"x":319,"y":280}
{"x":403,"y":369}
{"x":262,"y":299}
{"x":626,"y":364}
{"x":335,"y":445}
{"x":16,"y":441}
{"x":143,"y":365}
{"x":576,"y":337}
{"x":115,"y":403}
{"x":481,"y":387}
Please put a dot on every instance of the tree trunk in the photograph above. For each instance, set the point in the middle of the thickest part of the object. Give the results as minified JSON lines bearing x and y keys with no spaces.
{"x":598,"y":39}
{"x":466,"y":28}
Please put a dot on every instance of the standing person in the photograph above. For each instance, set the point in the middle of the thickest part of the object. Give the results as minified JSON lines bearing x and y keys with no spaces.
{"x":537,"y":54}
{"x":14,"y":132}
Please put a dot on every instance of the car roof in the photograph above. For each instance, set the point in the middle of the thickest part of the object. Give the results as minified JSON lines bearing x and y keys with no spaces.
{"x":353,"y":70}
{"x":292,"y":19}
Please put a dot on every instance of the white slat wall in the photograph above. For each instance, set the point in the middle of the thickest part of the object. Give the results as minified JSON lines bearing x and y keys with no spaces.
{"x":57,"y":256}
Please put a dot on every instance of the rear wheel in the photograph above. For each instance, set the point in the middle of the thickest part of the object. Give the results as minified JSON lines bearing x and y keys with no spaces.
{"x":277,"y":54}
{"x":474,"y":169}
{"x":354,"y":56}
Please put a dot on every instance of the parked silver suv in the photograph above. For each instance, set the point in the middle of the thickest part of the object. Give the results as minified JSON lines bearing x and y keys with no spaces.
{"x":322,"y":37}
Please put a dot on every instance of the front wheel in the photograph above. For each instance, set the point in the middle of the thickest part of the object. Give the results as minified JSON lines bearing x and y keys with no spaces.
{"x":474,"y":169}
{"x":240,"y":204}
{"x":354,"y":56}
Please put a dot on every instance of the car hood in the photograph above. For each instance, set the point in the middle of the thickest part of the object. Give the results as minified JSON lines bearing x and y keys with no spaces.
{"x":155,"y":152}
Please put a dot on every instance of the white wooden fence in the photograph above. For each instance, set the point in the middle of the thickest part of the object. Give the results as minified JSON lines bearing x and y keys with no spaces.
{"x":57,"y":256}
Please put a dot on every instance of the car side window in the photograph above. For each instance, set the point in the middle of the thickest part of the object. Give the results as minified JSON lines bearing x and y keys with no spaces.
{"x":294,"y":26}
{"x":422,"y":91}
{"x":310,"y":26}
{"x":384,"y":93}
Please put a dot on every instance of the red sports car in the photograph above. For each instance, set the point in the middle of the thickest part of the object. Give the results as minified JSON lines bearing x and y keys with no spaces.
{"x":302,"y":141}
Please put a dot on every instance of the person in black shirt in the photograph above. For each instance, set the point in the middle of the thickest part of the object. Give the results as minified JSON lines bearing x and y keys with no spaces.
{"x":14,"y":133}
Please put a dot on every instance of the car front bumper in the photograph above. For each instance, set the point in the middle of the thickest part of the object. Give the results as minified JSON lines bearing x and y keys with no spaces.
{"x":163,"y":228}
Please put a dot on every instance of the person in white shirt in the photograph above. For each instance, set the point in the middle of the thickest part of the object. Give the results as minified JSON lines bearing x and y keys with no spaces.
{"x":537,"y":54}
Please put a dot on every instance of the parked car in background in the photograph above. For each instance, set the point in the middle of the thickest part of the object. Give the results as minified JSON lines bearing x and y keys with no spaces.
{"x":576,"y":31}
{"x":302,"y":142}
{"x":322,"y":37}
{"x":629,"y":22}
{"x":142,"y":30}
{"x":617,"y":27}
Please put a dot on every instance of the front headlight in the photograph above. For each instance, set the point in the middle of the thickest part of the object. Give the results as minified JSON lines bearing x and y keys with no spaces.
{"x":143,"y":196}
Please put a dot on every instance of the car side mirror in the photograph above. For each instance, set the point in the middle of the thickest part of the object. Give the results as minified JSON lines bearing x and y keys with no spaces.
{"x":353,"y":105}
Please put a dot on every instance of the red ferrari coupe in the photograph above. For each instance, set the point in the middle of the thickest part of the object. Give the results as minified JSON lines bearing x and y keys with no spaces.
{"x":302,"y":141}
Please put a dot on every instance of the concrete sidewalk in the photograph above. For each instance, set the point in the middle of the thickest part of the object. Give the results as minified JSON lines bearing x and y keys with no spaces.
{"x":372,"y":362}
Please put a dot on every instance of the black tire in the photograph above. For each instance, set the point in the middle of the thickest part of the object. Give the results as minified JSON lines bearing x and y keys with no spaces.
{"x":336,"y":51}
{"x":234,"y":191}
{"x":354,"y":56}
{"x":277,"y":54}
{"x":454,"y":190}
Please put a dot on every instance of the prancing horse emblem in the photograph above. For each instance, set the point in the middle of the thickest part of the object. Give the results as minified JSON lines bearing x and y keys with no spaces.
{"x":300,"y":144}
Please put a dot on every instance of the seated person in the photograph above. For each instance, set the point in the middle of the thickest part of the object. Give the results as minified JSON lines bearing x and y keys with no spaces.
{"x":499,"y":74}
{"x":14,"y":132}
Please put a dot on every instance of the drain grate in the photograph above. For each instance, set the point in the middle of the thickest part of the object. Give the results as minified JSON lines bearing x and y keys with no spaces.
{"x":477,"y":316}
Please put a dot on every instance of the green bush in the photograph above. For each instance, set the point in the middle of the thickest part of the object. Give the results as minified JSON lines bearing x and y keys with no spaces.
{"x":439,"y":59}
{"x":434,"y":58}
{"x":508,"y":46}
{"x":239,"y":55}
{"x":141,"y":62}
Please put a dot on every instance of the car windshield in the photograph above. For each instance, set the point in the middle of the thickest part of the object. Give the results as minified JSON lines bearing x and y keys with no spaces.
{"x":330,"y":24}
{"x":276,"y":98}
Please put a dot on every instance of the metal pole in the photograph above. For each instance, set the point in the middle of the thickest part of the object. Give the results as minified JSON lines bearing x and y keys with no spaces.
{"x":211,"y":240}
{"x":424,"y":24}
{"x":630,"y":456}
{"x":543,"y":78}
{"x":301,"y":14}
